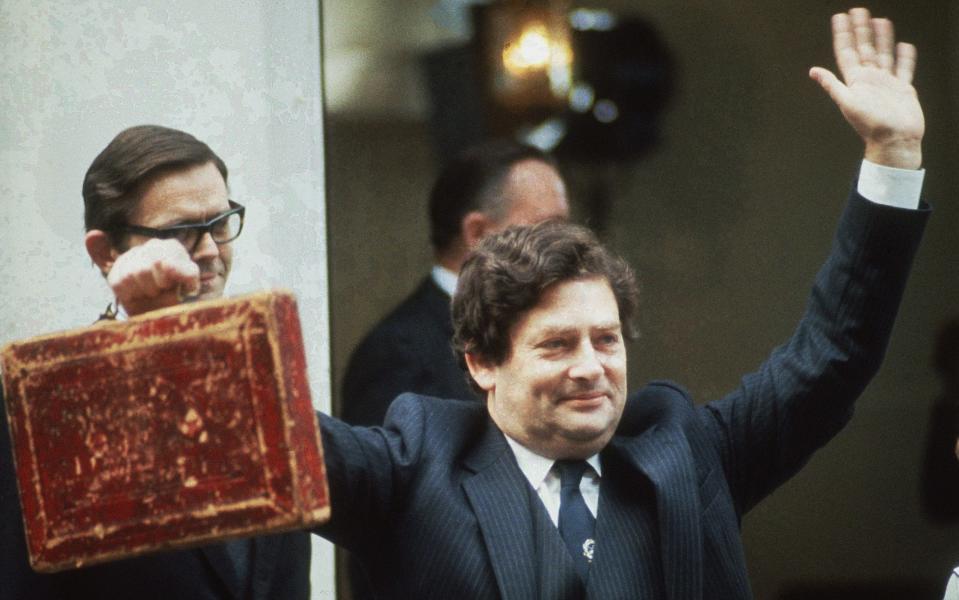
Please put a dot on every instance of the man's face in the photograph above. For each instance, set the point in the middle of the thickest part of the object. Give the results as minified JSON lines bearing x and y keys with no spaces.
{"x":192,"y":195}
{"x":535,"y":192}
{"x":561,"y":390}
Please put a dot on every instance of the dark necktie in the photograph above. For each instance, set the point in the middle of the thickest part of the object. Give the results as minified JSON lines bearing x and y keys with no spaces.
{"x":576,"y":523}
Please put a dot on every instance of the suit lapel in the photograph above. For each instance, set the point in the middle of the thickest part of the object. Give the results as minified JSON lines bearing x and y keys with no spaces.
{"x":497,"y":491}
{"x":627,"y":561}
{"x":663,"y":455}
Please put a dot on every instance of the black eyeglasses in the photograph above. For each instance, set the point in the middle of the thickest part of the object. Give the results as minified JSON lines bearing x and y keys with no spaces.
{"x":223,"y":228}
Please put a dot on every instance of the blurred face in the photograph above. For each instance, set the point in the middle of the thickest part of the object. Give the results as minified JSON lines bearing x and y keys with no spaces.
{"x":536,"y":193}
{"x":192,"y":195}
{"x":561,"y":390}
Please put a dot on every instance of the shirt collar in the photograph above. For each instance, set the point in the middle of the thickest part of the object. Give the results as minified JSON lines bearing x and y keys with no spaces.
{"x":444,"y":278}
{"x":536,"y":467}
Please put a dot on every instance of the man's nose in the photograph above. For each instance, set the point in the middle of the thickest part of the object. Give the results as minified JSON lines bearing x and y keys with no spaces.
{"x":586,"y":364}
{"x":205,"y":247}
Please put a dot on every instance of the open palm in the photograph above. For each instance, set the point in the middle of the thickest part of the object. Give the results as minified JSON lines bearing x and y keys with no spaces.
{"x":876,"y":95}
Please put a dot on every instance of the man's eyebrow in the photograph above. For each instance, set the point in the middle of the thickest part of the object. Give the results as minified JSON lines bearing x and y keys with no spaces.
{"x":560,"y":330}
{"x":554,"y":330}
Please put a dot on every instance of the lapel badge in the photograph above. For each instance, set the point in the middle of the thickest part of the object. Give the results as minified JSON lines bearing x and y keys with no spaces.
{"x":589,"y":546}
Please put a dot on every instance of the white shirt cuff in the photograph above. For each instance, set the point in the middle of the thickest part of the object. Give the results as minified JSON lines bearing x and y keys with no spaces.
{"x":890,"y":186}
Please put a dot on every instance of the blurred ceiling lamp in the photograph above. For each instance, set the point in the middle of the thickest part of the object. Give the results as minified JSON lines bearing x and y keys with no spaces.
{"x":526,"y":51}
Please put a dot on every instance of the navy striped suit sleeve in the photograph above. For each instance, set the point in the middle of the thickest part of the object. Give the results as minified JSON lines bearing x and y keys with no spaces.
{"x":366,"y":470}
{"x":803,"y":394}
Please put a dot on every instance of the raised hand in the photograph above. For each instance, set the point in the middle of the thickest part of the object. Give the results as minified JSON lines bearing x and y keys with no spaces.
{"x":153,"y":275}
{"x":876,"y":95}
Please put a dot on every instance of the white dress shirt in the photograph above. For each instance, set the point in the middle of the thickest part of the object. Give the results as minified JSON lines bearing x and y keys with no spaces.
{"x":545,"y":480}
{"x":444,"y":278}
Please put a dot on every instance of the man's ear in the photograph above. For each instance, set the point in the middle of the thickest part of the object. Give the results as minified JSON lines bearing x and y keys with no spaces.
{"x":483,"y":373}
{"x":100,"y":249}
{"x":474,"y":227}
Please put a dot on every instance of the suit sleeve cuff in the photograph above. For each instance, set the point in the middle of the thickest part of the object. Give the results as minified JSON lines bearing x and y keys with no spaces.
{"x":890,"y":186}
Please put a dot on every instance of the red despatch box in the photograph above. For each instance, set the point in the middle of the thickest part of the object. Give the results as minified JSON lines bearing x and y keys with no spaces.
{"x":176,"y":428}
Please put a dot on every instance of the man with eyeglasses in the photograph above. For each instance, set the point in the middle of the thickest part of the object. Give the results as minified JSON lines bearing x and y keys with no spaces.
{"x":159,"y":224}
{"x":160,"y":231}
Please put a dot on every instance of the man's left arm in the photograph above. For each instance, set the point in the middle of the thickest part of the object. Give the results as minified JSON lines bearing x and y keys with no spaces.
{"x":803,"y":393}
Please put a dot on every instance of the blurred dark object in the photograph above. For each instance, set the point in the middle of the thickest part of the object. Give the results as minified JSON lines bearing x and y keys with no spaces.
{"x":628,"y":73}
{"x":940,"y":467}
{"x":457,"y":117}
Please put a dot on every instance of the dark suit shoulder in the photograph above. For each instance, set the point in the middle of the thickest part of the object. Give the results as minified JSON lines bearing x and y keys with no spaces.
{"x":657,"y":403}
{"x":427,"y":304}
{"x":453,"y":423}
{"x":408,"y":351}
{"x":433,"y":407}
{"x":664,"y":390}
{"x":424,"y":314}
{"x":415,"y":426}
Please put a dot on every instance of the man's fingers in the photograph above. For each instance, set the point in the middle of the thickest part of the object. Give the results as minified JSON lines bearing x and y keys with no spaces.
{"x":829,"y":82}
{"x":859,"y":40}
{"x":884,"y":37}
{"x":153,"y":273}
{"x":175,"y":275}
{"x":182,"y":277}
{"x":153,"y":278}
{"x":862,"y":28}
{"x":844,"y":44}
{"x":905,"y":61}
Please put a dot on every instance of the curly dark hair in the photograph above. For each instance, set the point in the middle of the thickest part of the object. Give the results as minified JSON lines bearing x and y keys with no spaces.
{"x":508,"y":272}
{"x":113,"y":183}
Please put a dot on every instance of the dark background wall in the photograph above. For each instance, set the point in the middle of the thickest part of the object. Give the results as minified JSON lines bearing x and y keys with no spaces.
{"x":726,"y":223}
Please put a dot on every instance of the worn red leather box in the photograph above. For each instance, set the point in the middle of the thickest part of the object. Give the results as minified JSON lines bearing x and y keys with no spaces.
{"x":176,"y":428}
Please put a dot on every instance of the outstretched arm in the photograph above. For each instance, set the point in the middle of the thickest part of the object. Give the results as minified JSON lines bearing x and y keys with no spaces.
{"x":803,"y":394}
{"x":875,"y":94}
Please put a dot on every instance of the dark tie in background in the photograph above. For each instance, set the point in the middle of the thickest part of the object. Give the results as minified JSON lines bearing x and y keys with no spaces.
{"x":575,"y":521}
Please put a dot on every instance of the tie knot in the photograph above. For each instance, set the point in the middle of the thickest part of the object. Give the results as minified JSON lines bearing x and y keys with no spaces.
{"x":571,"y":472}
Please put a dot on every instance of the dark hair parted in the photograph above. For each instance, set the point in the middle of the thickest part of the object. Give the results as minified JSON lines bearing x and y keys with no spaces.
{"x":113,"y":183}
{"x":472,"y":181}
{"x":509,"y":271}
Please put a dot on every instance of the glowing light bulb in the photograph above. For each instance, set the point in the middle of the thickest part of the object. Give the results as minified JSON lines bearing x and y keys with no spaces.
{"x":530,"y":52}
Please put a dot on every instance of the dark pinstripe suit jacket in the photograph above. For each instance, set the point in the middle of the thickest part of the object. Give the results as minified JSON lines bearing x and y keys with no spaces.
{"x":436,"y":506}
